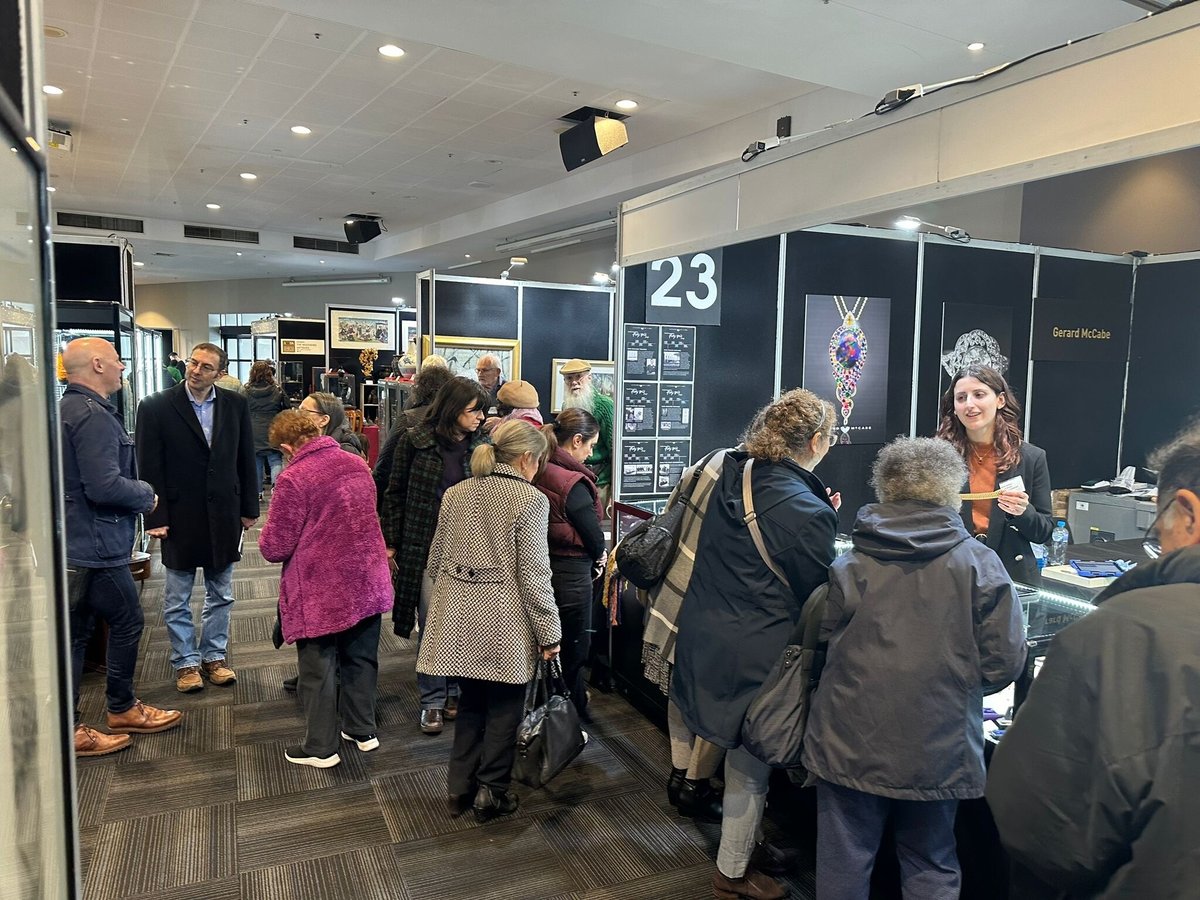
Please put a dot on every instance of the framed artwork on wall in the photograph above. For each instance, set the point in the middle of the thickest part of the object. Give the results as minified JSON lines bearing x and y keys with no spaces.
{"x":603,"y":380}
{"x":462,"y":353}
{"x":408,"y":335}
{"x":359,"y":328}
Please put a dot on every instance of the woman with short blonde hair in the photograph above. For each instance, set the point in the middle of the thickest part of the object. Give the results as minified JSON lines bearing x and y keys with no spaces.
{"x":492,"y":611}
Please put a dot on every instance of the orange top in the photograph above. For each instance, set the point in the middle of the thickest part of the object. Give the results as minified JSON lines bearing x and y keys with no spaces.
{"x":982,"y":469}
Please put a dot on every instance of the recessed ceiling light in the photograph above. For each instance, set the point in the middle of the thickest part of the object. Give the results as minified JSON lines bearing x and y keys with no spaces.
{"x":51,"y":188}
{"x":391,"y":51}
{"x":322,"y":262}
{"x":301,"y":129}
{"x":239,"y":252}
{"x":467,"y":255}
{"x":976,"y":45}
{"x":249,"y":176}
{"x":213,"y":205}
{"x":139,"y":263}
{"x":627,"y":104}
{"x":53,"y":31}
{"x":51,"y":90}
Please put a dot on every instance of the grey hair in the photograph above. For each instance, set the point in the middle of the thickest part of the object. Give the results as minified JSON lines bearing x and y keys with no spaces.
{"x":926,"y":469}
{"x":1178,"y":464}
{"x":329,"y":405}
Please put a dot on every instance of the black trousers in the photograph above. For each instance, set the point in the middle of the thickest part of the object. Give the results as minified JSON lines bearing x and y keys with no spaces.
{"x":571,"y":580}
{"x":485,"y":735}
{"x":111,"y":596}
{"x":353,"y":655}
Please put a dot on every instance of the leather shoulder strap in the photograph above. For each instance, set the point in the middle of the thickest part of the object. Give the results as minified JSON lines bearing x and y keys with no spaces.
{"x":751,"y":520}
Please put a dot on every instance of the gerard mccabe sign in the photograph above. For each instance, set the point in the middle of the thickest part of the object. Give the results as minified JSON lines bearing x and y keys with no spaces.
{"x":1080,"y":331}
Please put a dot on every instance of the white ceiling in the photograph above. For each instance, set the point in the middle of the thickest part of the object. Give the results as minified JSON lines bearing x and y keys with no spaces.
{"x":169,"y":100}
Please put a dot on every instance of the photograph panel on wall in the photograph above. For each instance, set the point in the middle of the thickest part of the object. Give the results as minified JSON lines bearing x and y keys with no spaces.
{"x":974,"y":335}
{"x":846,"y":341}
{"x":462,"y":353}
{"x":603,"y":380}
{"x":361,"y":328}
{"x":408,"y":335}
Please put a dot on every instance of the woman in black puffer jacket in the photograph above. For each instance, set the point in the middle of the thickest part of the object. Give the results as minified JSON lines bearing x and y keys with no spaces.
{"x":266,"y":400}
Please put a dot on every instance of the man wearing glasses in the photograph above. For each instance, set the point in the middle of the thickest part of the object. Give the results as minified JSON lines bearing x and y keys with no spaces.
{"x":487,"y":373}
{"x":195,"y":445}
{"x":1093,"y":787}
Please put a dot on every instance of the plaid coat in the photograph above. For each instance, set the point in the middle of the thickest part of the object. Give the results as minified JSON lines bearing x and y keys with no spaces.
{"x":410,"y":514}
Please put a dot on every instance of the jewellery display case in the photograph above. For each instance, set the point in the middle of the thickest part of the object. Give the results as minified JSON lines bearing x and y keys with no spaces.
{"x":341,"y":386}
{"x":383,"y":402}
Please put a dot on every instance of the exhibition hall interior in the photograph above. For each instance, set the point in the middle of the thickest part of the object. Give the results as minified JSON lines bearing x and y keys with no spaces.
{"x":243,"y":236}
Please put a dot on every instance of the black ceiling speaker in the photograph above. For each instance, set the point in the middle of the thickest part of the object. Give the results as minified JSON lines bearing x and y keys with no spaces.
{"x":590,"y":140}
{"x":361,"y":229}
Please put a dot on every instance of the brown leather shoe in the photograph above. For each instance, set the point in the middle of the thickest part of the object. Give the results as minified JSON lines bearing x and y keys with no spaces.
{"x":751,"y":886}
{"x":188,"y":679}
{"x":90,"y":742}
{"x":217,"y":672}
{"x":143,"y":719}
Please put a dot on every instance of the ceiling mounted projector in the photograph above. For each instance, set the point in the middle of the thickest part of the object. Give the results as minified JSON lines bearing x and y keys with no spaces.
{"x":360,"y":228}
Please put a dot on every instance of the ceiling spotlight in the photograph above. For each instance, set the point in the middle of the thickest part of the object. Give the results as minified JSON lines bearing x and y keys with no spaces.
{"x":301,"y":129}
{"x":912,"y":223}
{"x":391,"y":51}
{"x":513,"y":262}
{"x":626,"y":104}
{"x":467,"y":255}
{"x":51,"y":90}
{"x":238,"y":252}
{"x":249,"y":176}
{"x":975,"y":46}
{"x":51,"y":188}
{"x":139,"y":263}
{"x":603,"y":278}
{"x":399,"y":301}
{"x":213,"y":205}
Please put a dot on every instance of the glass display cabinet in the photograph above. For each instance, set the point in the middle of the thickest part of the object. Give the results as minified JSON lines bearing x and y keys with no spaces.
{"x":113,"y":322}
{"x":393,"y":399}
{"x":341,"y":386}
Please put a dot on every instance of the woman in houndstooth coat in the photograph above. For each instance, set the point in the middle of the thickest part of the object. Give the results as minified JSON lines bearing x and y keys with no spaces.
{"x":492,"y":610}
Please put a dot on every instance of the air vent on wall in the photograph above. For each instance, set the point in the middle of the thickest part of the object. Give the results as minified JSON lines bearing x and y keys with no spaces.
{"x":211,"y":233}
{"x":99,"y":223}
{"x":325,"y":245}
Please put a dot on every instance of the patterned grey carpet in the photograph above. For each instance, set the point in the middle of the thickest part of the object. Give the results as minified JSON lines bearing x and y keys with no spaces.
{"x":211,"y":810}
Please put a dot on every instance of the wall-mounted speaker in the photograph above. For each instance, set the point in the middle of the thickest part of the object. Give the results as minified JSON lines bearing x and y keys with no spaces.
{"x":359,"y":231}
{"x":590,"y":140}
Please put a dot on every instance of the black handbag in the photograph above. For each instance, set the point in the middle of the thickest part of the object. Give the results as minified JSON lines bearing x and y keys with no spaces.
{"x":549,"y":736}
{"x":773,"y":730}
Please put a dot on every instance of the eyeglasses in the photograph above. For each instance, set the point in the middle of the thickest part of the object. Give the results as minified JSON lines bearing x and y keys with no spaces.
{"x":203,"y":367}
{"x":1152,"y":545}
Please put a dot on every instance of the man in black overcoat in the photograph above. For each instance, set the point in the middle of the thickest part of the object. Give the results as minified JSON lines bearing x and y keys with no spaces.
{"x":196,"y":447}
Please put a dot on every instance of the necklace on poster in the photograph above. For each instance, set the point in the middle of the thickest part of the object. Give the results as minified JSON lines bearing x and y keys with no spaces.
{"x":847,"y":357}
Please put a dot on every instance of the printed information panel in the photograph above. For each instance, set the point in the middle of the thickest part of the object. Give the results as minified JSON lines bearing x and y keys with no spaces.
{"x":640,"y":403}
{"x":637,"y":467}
{"x":641,"y":352}
{"x":678,"y":353}
{"x":675,"y":410}
{"x":673,"y":458}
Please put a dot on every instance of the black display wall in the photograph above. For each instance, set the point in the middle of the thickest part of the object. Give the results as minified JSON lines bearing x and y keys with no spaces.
{"x":1164,"y":365}
{"x":973,"y":276}
{"x":560,"y":324}
{"x":819,"y":263}
{"x":1075,"y":407}
{"x":551,"y":322}
{"x":734,"y":361}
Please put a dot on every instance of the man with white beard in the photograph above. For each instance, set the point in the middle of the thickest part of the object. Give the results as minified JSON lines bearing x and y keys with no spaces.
{"x":577,"y":375}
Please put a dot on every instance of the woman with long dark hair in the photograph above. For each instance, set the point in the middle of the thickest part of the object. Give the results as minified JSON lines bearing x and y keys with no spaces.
{"x":266,"y":399}
{"x":430,"y":458}
{"x":981,"y":417}
{"x":577,"y":547}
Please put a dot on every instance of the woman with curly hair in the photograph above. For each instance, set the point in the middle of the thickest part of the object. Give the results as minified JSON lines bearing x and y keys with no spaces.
{"x":980,"y":416}
{"x":738,"y":614}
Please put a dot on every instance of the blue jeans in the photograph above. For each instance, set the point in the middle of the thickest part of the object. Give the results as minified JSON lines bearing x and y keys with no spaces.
{"x":849,"y":827}
{"x":273,"y":459}
{"x":111,"y":596}
{"x":746,"y":781}
{"x":434,"y":689}
{"x":214,"y":620}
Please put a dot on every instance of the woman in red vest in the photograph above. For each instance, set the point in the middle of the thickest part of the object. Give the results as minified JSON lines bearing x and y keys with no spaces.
{"x":578,"y":550}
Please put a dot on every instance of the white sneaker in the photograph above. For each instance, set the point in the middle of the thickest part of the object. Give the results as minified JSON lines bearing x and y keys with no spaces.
{"x":299,"y":757}
{"x":364,"y":743}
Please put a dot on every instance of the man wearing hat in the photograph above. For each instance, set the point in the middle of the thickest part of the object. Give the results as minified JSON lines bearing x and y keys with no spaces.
{"x":577,"y":375}
{"x":517,"y":400}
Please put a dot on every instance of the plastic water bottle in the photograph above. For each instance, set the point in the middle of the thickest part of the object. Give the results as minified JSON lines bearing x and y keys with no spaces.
{"x":1056,"y":553}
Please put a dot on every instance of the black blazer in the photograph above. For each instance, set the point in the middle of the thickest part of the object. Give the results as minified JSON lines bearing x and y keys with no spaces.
{"x":1010,"y":536}
{"x":203,"y":492}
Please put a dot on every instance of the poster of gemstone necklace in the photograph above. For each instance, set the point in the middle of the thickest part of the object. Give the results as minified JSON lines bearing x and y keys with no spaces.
{"x":846,"y":361}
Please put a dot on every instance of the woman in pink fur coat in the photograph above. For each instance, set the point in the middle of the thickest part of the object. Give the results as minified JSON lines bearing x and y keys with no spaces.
{"x":335,"y":585}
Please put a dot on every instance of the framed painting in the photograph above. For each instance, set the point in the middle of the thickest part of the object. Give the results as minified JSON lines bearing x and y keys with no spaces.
{"x":359,"y":328}
{"x":603,"y":380}
{"x":462,"y":353}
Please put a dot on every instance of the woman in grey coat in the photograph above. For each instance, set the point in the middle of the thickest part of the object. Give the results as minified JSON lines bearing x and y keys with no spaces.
{"x":492,"y":611}
{"x":922,"y":621}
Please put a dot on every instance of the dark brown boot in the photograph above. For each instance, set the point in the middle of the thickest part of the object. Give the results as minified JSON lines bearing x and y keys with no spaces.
{"x":751,"y":886}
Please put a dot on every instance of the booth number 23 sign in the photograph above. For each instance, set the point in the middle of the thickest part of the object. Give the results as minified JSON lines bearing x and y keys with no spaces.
{"x":684,"y":290}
